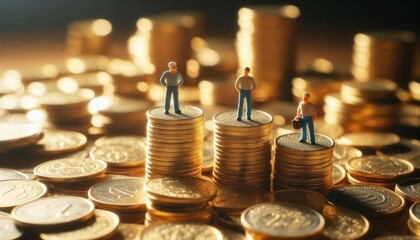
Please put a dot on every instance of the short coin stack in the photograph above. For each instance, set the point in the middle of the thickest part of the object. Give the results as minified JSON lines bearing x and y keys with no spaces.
{"x":378,"y":170}
{"x":303,"y":165}
{"x":242,"y":149}
{"x":174,"y":142}
{"x":414,"y":220}
{"x":180,"y":199}
{"x":386,"y":54}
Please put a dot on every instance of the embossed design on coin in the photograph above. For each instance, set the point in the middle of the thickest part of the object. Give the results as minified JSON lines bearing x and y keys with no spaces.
{"x":10,"y":174}
{"x":120,"y":155}
{"x":188,"y":114}
{"x":291,"y":142}
{"x":409,"y":189}
{"x":185,"y":231}
{"x":103,"y":225}
{"x":8,"y":228}
{"x":228,"y":119}
{"x":346,"y":224}
{"x":57,"y":142}
{"x":53,"y":211}
{"x":17,"y":192}
{"x":282,"y":220}
{"x":379,"y":167}
{"x":70,"y":169}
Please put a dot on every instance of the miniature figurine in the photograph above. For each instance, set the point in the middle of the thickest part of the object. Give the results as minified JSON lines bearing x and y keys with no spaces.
{"x":245,"y":84}
{"x":172,"y":79}
{"x":307,"y":112}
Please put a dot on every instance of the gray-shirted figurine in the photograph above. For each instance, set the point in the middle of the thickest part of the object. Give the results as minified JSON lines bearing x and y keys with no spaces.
{"x":172,"y":79}
{"x":245,"y":84}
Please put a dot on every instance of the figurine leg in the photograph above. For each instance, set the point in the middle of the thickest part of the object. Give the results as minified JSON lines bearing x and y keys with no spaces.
{"x":303,"y":131}
{"x":168,"y":98}
{"x":311,"y":130}
{"x":176,"y":102}
{"x":248,"y":105}
{"x":240,"y":105}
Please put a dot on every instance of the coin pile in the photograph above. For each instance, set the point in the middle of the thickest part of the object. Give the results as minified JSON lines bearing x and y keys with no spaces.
{"x":281,"y":221}
{"x":218,"y":92}
{"x":363,"y":106}
{"x":303,"y":165}
{"x":181,"y":199}
{"x":242,"y":149}
{"x":378,"y":170}
{"x":187,"y":231}
{"x":268,"y":31}
{"x":156,"y":36}
{"x":88,"y":37}
{"x":409,"y":190}
{"x":385,"y":54}
{"x":174,"y":142}
{"x":414,"y":220}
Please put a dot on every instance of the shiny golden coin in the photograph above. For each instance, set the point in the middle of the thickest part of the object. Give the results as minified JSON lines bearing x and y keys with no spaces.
{"x":53,"y":211}
{"x":121,"y":155}
{"x":129,"y":231}
{"x":18,"y":134}
{"x":139,"y":141}
{"x":174,"y":128}
{"x":342,"y":154}
{"x":355,"y":180}
{"x":56,"y":99}
{"x":343,"y":223}
{"x":307,"y":198}
{"x":380,"y":167}
{"x":188,"y":115}
{"x":370,"y":201}
{"x":290,"y":143}
{"x":102,"y":225}
{"x":227,"y":120}
{"x":369,"y":140}
{"x":119,"y":194}
{"x":181,"y":190}
{"x":194,"y":132}
{"x":205,"y":212}
{"x":177,"y":230}
{"x":339,"y":174}
{"x":281,"y":220}
{"x":70,"y":169}
{"x":10,"y":174}
{"x":408,"y":149}
{"x":414,"y":228}
{"x":409,"y":189}
{"x":60,"y":142}
{"x":8,"y":228}
{"x":236,"y":198}
{"x":415,"y":213}
{"x":18,"y":192}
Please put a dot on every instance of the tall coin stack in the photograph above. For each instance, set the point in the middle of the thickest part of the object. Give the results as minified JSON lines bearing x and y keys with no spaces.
{"x":363,"y":106}
{"x":266,"y":42}
{"x":386,"y":54}
{"x":174,"y":142}
{"x":303,"y":165}
{"x":242,"y":149}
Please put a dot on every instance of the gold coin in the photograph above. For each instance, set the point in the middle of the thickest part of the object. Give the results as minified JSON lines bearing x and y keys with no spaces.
{"x":414,"y":228}
{"x":57,"y":99}
{"x":174,"y":128}
{"x":415,"y":213}
{"x":18,"y":192}
{"x":188,"y":115}
{"x":191,"y":131}
{"x":408,"y":149}
{"x":369,"y":140}
{"x":281,"y":220}
{"x":236,"y":198}
{"x":379,"y":167}
{"x":370,"y":201}
{"x":70,"y":169}
{"x":203,"y":213}
{"x":119,"y":194}
{"x":356,"y":180}
{"x":18,"y":134}
{"x":53,"y":211}
{"x":231,"y":235}
{"x":59,"y":142}
{"x":129,"y":231}
{"x":227,"y":120}
{"x":342,"y":154}
{"x":339,"y":174}
{"x":185,"y":231}
{"x":10,"y":174}
{"x":343,"y":223}
{"x":8,"y":228}
{"x":139,"y":141}
{"x":120,"y":155}
{"x":307,"y":198}
{"x":173,"y":139}
{"x":409,"y":189}
{"x":102,"y":225}
{"x":181,"y":190}
{"x":290,"y":143}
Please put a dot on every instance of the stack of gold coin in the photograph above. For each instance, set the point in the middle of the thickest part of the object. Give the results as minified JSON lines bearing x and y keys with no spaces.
{"x":218,"y":92}
{"x":386,"y":54}
{"x":363,"y":106}
{"x":208,"y":158}
{"x":378,"y":170}
{"x":18,"y":134}
{"x":409,"y":190}
{"x":180,"y":199}
{"x":231,"y":201}
{"x":408,"y":149}
{"x":307,"y":198}
{"x":124,"y":196}
{"x":88,"y":37}
{"x":303,"y":165}
{"x":174,"y":142}
{"x":98,"y":82}
{"x":120,"y":115}
{"x":185,"y":231}
{"x":414,"y":220}
{"x":242,"y":149}
{"x":156,"y":36}
{"x":268,"y":31}
{"x":130,"y":79}
{"x":281,"y":221}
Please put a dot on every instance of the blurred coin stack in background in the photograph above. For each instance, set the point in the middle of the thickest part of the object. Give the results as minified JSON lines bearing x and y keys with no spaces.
{"x":386,"y":54}
{"x":174,"y":142}
{"x":266,"y":42}
{"x":218,"y":92}
{"x":180,"y":199}
{"x":363,"y":106}
{"x":303,"y":165}
{"x":89,"y":37}
{"x":242,"y":149}
{"x":98,"y":82}
{"x":165,"y":37}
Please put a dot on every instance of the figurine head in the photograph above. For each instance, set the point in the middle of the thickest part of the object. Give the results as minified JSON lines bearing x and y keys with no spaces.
{"x":306,"y":96}
{"x":246,"y":71}
{"x":172,"y":65}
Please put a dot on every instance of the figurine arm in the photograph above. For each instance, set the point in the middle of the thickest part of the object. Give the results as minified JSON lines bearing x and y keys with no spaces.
{"x":237,"y":85}
{"x":298,"y":115}
{"x":254,"y":85}
{"x":181,"y":79}
{"x":314,"y":115}
{"x":162,"y":79}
